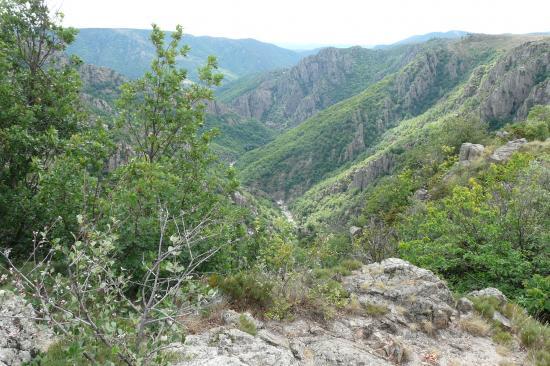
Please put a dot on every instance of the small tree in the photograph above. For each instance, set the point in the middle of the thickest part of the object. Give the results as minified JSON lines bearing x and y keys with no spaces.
{"x":80,"y":289}
{"x":39,"y":106}
{"x":377,"y":242}
{"x":162,"y":111}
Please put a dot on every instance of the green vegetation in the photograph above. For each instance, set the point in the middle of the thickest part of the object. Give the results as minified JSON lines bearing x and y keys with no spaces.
{"x":114,"y":227}
{"x":343,"y":132}
{"x":246,"y":325}
{"x":129,"y":52}
{"x":235,"y":137}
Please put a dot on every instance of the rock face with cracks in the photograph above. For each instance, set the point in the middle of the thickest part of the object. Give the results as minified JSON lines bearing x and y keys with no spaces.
{"x":403,"y":315}
{"x":21,"y":338}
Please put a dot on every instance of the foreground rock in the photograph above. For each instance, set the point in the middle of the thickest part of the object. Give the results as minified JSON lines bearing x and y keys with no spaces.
{"x":504,"y":152}
{"x":470,"y":152}
{"x":399,"y":314}
{"x":20,"y":338}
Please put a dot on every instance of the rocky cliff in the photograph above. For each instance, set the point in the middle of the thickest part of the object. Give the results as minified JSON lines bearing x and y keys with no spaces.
{"x":285,"y":99}
{"x":518,"y":81}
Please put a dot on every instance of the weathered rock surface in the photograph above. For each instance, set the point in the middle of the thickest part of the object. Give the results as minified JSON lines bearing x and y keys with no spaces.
{"x":504,"y":152}
{"x":470,"y":152}
{"x":376,"y":168}
{"x":419,"y":294}
{"x":464,"y":305}
{"x":490,"y":292}
{"x":20,"y":338}
{"x":422,"y":194}
{"x":355,"y":231}
{"x":412,"y":297}
{"x":517,"y":82}
{"x":286,"y":98}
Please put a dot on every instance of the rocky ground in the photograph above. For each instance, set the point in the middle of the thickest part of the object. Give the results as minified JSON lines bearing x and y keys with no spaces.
{"x":398,"y":314}
{"x":405,"y":315}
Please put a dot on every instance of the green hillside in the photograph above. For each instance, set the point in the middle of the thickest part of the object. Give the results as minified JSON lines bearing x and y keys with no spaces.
{"x":129,"y":52}
{"x":336,"y":136}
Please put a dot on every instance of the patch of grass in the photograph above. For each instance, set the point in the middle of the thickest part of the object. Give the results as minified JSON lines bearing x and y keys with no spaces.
{"x":540,"y":357}
{"x":365,"y":286}
{"x":475,"y":326}
{"x":530,"y":333}
{"x":351,"y":264}
{"x":428,"y":327}
{"x":376,"y":309}
{"x":341,"y":270}
{"x":354,"y":307}
{"x":486,"y":306}
{"x":247,"y":326}
{"x":502,"y":338}
{"x":322,"y":273}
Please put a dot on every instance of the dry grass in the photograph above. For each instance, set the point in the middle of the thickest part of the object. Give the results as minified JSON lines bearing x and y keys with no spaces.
{"x":354,"y":307}
{"x":209,"y":318}
{"x":475,"y":326}
{"x":503,"y":350}
{"x":454,"y":362}
{"x":365,"y":286}
{"x":376,"y":309}
{"x":428,"y":328}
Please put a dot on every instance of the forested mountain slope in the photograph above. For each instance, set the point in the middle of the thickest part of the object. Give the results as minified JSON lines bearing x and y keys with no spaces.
{"x":285,"y":98}
{"x":340,"y":134}
{"x":129,"y":52}
{"x":457,"y":119}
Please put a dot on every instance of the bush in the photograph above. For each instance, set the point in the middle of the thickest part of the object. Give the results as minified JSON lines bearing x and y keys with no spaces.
{"x":537,"y":296}
{"x":248,"y":290}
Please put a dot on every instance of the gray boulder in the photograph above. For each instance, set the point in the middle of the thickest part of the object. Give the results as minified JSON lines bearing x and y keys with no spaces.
{"x":355,"y":231}
{"x":229,"y":346}
{"x":469,"y":152}
{"x":422,"y":194}
{"x":464,"y":305}
{"x":21,"y":338}
{"x":504,"y":152}
{"x":409,"y":293}
{"x":490,"y":292}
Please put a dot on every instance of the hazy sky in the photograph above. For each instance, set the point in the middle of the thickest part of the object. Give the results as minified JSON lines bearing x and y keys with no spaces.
{"x":299,"y":22}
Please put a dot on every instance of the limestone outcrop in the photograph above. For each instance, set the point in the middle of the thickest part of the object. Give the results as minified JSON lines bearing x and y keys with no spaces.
{"x":405,"y":315}
{"x":504,"y":152}
{"x":470,"y":152}
{"x":21,"y":338}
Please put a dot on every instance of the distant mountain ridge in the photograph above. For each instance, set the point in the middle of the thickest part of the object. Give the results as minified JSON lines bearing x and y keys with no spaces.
{"x":284,"y":98}
{"x":129,"y":52}
{"x":351,"y":129}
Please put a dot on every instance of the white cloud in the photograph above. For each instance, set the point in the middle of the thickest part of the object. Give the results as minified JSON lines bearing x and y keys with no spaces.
{"x":312,"y":21}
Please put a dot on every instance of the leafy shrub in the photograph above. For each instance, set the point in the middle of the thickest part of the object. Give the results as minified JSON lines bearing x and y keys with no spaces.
{"x":537,"y":296}
{"x":280,"y":309}
{"x":248,"y":289}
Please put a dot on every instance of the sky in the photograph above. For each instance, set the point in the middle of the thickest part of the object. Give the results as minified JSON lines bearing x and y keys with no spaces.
{"x":302,"y":23}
